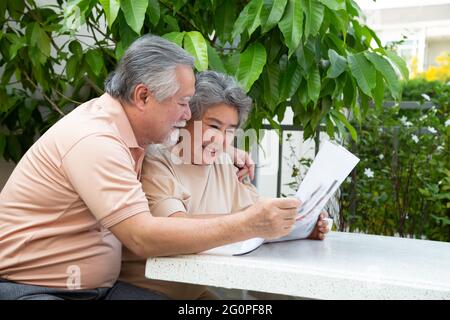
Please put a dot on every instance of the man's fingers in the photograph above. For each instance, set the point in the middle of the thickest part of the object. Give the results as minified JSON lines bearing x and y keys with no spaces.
{"x":287,"y":203}
{"x":323,"y":215}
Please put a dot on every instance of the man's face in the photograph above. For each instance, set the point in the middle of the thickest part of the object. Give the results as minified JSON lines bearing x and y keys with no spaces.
{"x":166,"y":117}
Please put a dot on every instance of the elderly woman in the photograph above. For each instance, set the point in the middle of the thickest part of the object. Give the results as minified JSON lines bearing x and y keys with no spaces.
{"x":198,"y":177}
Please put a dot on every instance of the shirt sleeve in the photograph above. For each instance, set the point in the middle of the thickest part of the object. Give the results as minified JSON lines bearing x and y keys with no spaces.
{"x":101,"y":170}
{"x":245,"y":193}
{"x":165,"y":193}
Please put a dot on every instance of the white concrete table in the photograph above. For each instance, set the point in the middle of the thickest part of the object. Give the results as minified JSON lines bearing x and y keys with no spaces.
{"x":344,"y":266}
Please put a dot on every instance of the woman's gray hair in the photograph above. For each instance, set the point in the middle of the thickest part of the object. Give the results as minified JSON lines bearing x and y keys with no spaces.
{"x":212,"y":88}
{"x":150,"y":60}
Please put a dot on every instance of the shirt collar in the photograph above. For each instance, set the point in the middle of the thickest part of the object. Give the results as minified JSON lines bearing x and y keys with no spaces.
{"x":114,"y":108}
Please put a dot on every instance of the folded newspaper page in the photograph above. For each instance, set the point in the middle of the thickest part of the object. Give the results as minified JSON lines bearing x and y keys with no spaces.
{"x":332,"y":164}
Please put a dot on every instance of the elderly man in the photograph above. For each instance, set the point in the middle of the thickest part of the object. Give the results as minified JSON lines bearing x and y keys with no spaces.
{"x":75,"y":196}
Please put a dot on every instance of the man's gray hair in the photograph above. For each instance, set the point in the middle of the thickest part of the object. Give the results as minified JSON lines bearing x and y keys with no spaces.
{"x":212,"y":88}
{"x":150,"y":60}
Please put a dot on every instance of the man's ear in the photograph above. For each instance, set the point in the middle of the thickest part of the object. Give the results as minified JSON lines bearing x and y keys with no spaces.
{"x":141,"y":96}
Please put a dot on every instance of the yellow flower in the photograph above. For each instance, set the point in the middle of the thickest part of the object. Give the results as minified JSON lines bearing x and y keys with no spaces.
{"x":440,"y":72}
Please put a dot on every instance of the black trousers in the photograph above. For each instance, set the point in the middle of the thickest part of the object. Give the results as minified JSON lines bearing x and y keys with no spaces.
{"x":120,"y":291}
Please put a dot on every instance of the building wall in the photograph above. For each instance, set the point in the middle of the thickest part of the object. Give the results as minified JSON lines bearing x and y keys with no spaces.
{"x":425,"y":24}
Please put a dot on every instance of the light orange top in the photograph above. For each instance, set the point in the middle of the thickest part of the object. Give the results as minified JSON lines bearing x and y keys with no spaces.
{"x":189,"y":188}
{"x":79,"y":179}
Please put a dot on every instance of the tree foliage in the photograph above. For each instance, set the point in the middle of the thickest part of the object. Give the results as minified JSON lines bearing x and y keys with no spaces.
{"x":313,"y":55}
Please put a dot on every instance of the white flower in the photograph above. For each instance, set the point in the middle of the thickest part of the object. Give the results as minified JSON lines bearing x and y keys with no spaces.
{"x":405,"y":122}
{"x":447,"y":122}
{"x":381,"y":156}
{"x":425,"y":96}
{"x":440,"y":148}
{"x":403,"y":119}
{"x":348,"y":180}
{"x":432,"y":130}
{"x":368,"y":173}
{"x":414,"y":138}
{"x":423,"y":117}
{"x":433,"y":109}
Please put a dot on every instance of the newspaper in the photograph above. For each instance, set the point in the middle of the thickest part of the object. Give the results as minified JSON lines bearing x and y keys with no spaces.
{"x":332,"y":164}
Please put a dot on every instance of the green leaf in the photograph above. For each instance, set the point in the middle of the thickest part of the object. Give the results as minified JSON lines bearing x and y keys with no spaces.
{"x":153,"y":12}
{"x":16,"y":44}
{"x":14,"y":149}
{"x":15,"y":8}
{"x":111,"y":8}
{"x":251,"y":64}
{"x":177,"y":5}
{"x":291,"y":25}
{"x":72,"y":67}
{"x":272,"y":12}
{"x":254,"y":15}
{"x":224,"y":19}
{"x":37,"y":37}
{"x":334,"y":4}
{"x":385,"y":68}
{"x":134,"y":12}
{"x":330,"y":126}
{"x":339,"y":116}
{"x":2,"y":9}
{"x":176,"y":37}
{"x":231,"y":62}
{"x":241,"y":22}
{"x":338,"y":64}
{"x":120,"y":50}
{"x":349,"y":91}
{"x":378,"y":91}
{"x":214,"y":60}
{"x":364,"y":102}
{"x":36,"y":56}
{"x":313,"y":84}
{"x":95,"y":61}
{"x":25,"y":111}
{"x":314,"y":12}
{"x":399,"y":63}
{"x":172,"y":23}
{"x":290,"y":80}
{"x":127,"y":35}
{"x":195,"y":44}
{"x":340,"y":21}
{"x":363,"y":72}
{"x":271,"y":80}
{"x":76,"y":49}
{"x":353,"y":8}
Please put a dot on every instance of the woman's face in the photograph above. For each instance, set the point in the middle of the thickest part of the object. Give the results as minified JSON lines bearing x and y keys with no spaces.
{"x":211,"y":135}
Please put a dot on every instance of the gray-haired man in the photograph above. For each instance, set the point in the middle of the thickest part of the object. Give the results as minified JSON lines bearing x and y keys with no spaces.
{"x":75,"y":196}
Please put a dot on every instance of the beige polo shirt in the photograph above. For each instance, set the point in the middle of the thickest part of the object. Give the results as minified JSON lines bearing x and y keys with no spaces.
{"x":79,"y":179}
{"x":172,"y":187}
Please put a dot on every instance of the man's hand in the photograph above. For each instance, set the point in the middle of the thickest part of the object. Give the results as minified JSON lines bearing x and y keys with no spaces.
{"x":243,"y":161}
{"x":321,"y":228}
{"x":272,"y":218}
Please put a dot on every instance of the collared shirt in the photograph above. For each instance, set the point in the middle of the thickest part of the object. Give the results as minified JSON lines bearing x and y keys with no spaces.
{"x":79,"y":179}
